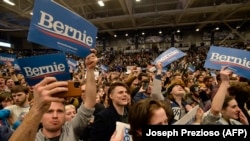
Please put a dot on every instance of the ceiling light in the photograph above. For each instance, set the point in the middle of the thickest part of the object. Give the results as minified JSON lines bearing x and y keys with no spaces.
{"x":160,"y":32}
{"x":31,"y":13}
{"x":142,"y":33}
{"x":178,"y":31}
{"x":9,"y":2}
{"x":217,"y":28}
{"x":197,"y":29}
{"x":126,"y":34}
{"x":101,"y":3}
{"x":237,"y":27}
{"x":5,"y":44}
{"x":138,"y":0}
{"x":115,"y":35}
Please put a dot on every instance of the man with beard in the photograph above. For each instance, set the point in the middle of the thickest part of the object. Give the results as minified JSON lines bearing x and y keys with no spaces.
{"x":21,"y":105}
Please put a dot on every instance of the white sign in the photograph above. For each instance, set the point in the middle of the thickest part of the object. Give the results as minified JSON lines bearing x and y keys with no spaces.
{"x":123,"y":128}
{"x":188,"y":118}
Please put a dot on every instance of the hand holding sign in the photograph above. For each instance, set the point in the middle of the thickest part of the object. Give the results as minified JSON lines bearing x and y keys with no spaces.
{"x":122,"y":130}
{"x":236,"y":60}
{"x":116,"y":136}
{"x":91,"y":60}
{"x":159,"y":68}
{"x":225,"y":74}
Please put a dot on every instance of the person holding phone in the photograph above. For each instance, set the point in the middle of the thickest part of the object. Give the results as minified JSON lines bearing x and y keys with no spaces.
{"x":151,"y":89}
{"x":144,"y":91}
{"x":50,"y":110}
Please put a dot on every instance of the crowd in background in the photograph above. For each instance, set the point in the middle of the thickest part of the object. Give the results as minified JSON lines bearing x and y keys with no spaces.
{"x":136,"y":97}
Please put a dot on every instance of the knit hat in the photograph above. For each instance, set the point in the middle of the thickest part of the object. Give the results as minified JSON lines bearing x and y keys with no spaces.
{"x":171,"y":86}
{"x":174,"y":83}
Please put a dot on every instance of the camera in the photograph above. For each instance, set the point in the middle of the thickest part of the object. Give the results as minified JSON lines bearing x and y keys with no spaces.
{"x":74,"y":90}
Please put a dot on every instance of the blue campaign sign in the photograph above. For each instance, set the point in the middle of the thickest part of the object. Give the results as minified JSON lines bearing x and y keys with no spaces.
{"x":191,"y":68}
{"x":236,"y":59}
{"x":35,"y":68}
{"x":7,"y":58}
{"x":55,"y":26}
{"x":169,"y":56}
{"x":104,"y":67}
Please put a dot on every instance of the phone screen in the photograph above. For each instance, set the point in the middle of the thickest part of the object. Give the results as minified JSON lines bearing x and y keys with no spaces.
{"x":145,"y":85}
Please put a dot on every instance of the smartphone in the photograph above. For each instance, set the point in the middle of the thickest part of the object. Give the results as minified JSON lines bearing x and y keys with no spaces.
{"x":145,"y":85}
{"x":74,"y":90}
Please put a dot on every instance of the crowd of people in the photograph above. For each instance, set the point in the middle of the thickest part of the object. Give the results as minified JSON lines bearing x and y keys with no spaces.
{"x":137,"y":97}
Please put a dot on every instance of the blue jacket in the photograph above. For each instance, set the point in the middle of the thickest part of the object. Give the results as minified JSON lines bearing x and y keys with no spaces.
{"x":139,"y":96}
{"x":4,"y":115}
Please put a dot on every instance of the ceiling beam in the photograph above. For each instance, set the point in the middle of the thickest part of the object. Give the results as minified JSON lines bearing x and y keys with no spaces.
{"x":130,"y":11}
{"x":16,"y":10}
{"x":234,"y":31}
{"x":196,"y":10}
{"x":235,"y":9}
{"x":124,"y":7}
{"x":187,"y":4}
{"x":171,"y":25}
{"x":66,"y":5}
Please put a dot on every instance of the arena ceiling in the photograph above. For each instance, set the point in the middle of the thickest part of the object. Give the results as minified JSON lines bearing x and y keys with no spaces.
{"x":126,"y":15}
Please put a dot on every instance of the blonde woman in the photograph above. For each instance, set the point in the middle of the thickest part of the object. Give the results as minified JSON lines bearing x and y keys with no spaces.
{"x":70,"y":112}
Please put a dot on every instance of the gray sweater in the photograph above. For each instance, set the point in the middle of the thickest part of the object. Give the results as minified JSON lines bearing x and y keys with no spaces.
{"x":210,"y":119}
{"x":71,"y":130}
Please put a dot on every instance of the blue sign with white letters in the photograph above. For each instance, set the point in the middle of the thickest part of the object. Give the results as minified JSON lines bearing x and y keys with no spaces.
{"x":237,"y":60}
{"x":35,"y":68}
{"x":104,"y":67}
{"x":9,"y":58}
{"x":169,"y":56}
{"x":4,"y":58}
{"x":55,"y":26}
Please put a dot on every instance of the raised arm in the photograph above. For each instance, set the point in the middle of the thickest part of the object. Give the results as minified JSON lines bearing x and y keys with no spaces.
{"x":43,"y":92}
{"x":221,"y":93}
{"x":90,"y":62}
{"x":86,"y":110}
{"x":157,"y":86}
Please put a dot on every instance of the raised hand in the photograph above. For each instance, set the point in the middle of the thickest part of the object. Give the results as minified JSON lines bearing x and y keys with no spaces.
{"x":44,"y":90}
{"x":91,"y":60}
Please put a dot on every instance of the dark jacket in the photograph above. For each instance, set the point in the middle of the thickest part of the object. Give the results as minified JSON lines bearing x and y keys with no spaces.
{"x":5,"y":133}
{"x":105,"y":123}
{"x":85,"y":135}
